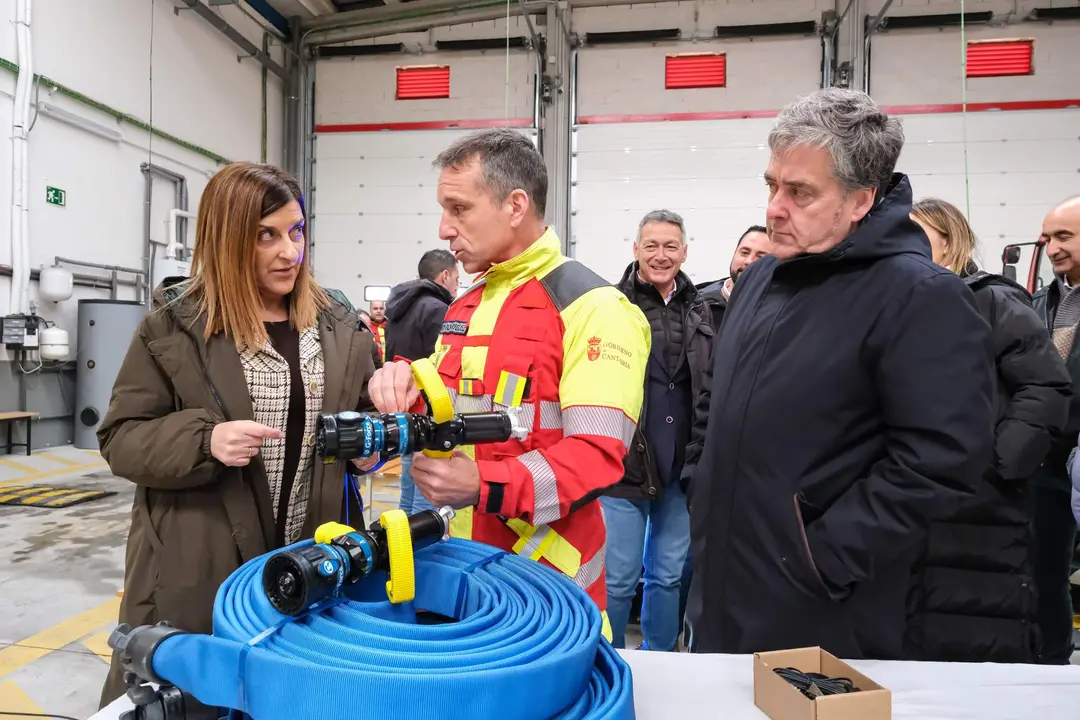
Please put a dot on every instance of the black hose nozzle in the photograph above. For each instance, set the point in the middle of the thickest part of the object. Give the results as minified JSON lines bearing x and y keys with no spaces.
{"x":296,"y":580}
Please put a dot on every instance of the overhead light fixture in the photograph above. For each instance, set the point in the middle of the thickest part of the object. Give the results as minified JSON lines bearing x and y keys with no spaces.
{"x":78,"y":121}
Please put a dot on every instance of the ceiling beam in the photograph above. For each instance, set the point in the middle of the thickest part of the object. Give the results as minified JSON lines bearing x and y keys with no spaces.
{"x":236,"y":36}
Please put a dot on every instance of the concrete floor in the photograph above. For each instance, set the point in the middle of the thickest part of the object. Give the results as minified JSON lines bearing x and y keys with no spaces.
{"x":60,"y":574}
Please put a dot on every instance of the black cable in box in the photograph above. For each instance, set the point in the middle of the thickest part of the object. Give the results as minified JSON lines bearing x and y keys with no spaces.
{"x":812,"y":684}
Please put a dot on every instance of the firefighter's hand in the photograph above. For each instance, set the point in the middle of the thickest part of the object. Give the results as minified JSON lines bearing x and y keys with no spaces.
{"x":392,"y":388}
{"x":453,"y":481}
{"x":365,"y":464}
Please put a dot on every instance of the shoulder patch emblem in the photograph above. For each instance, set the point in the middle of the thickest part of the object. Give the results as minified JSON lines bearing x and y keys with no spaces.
{"x":594,"y":348}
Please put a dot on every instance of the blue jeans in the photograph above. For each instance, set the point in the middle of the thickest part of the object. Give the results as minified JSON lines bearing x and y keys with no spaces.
{"x":412,"y":500}
{"x":658,"y":532}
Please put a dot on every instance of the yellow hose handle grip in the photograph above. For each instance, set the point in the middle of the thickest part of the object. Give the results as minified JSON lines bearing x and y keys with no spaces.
{"x":429,"y":382}
{"x":328,"y":531}
{"x":401,"y":587}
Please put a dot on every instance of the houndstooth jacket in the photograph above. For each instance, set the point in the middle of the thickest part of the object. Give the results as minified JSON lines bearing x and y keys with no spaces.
{"x":269,"y":382}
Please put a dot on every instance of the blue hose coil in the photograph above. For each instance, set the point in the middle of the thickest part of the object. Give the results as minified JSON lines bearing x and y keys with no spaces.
{"x":526,"y":646}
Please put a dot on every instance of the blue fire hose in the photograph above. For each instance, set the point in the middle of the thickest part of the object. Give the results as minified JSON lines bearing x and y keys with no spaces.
{"x":526,"y":645}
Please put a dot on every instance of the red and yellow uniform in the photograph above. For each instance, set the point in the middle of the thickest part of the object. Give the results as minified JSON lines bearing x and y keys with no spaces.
{"x":379,"y":330}
{"x":550,"y":342}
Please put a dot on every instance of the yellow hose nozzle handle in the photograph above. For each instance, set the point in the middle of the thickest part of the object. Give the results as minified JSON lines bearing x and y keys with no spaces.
{"x":401,"y":587}
{"x":429,"y":382}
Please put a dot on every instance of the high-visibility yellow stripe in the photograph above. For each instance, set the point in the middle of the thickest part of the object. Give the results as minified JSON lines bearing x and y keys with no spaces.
{"x":14,"y":465}
{"x":35,"y":476}
{"x":59,"y":459}
{"x":605,"y":349}
{"x":14,"y":700}
{"x":41,"y":644}
{"x":42,"y":496}
{"x":473,"y":361}
{"x":99,"y":645}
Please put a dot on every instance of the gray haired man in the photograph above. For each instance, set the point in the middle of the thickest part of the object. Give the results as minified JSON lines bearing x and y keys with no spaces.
{"x":646,"y":512}
{"x":849,"y":402}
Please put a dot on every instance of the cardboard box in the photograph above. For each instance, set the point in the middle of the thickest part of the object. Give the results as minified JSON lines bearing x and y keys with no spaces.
{"x":780,"y":700}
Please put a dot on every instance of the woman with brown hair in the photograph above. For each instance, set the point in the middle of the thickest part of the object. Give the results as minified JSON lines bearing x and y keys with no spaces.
{"x":213,"y":411}
{"x":976,"y":601}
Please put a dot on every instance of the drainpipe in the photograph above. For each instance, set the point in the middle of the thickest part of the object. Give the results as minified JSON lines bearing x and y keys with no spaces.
{"x":149,"y":171}
{"x":177,"y":247}
{"x":19,"y":299}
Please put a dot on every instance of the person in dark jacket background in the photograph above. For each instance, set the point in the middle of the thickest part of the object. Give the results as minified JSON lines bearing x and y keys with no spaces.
{"x":753,"y":244}
{"x":646,"y":513}
{"x":415,"y":312}
{"x":849,"y":402}
{"x":973,"y":598}
{"x":1055,"y":528}
{"x":415,"y":309}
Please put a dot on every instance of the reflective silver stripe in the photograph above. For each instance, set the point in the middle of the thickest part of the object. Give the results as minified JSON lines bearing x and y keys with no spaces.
{"x":510,"y":389}
{"x":533,"y":543}
{"x":472,"y":403}
{"x":591,"y":571}
{"x":545,"y":489}
{"x":550,"y":415}
{"x":602,"y":421}
{"x":524,"y":415}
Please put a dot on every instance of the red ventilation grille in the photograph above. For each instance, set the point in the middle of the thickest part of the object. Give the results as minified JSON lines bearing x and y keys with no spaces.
{"x":423,"y":82}
{"x":695,"y":71}
{"x":1000,"y":58}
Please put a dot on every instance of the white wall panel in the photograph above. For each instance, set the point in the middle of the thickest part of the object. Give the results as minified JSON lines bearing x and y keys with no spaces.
{"x":924,"y":67}
{"x":376,"y":210}
{"x":1019,"y":165}
{"x":102,"y":49}
{"x":709,"y":172}
{"x":363,"y":90}
{"x":629,"y":80}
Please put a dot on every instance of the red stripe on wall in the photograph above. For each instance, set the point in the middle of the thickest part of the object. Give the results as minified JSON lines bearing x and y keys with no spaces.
{"x":689,"y":117}
{"x":428,"y":125}
{"x":891,"y":109}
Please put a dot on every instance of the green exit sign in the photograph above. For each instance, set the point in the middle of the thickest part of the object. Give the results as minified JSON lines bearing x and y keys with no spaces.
{"x":55,"y":196}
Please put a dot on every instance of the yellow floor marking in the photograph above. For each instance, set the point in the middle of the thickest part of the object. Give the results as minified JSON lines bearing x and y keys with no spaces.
{"x":35,"y":476}
{"x":14,"y":700}
{"x":58,"y":459}
{"x":18,"y":466}
{"x":99,"y":645}
{"x":37,"y":646}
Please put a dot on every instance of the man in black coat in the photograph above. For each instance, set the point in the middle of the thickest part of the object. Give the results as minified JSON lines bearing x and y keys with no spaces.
{"x":1055,"y":528}
{"x":849,"y":403}
{"x":415,"y":312}
{"x":415,"y":309}
{"x":753,"y":245}
{"x":646,"y":512}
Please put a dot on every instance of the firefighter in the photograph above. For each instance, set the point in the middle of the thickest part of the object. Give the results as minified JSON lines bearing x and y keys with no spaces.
{"x":378,"y":325}
{"x":541,"y":337}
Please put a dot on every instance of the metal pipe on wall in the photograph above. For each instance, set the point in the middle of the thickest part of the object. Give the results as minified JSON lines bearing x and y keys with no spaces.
{"x":82,"y":280}
{"x":422,"y":23}
{"x":150,"y":171}
{"x":872,"y":25}
{"x":97,"y":266}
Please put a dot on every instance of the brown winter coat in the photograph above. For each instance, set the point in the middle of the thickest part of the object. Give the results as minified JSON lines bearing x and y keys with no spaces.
{"x":194,"y":521}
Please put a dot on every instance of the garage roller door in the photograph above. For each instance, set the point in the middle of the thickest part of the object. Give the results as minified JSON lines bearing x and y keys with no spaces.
{"x":375,"y":207}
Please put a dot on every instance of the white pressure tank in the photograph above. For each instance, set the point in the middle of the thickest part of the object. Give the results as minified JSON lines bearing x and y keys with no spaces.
{"x":53,"y":344}
{"x":55,"y":284}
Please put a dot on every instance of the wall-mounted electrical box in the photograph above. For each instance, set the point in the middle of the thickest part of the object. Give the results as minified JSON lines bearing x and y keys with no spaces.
{"x":20,"y":332}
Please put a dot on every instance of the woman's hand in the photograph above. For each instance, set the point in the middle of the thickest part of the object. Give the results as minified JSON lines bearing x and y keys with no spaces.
{"x":235,"y":443}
